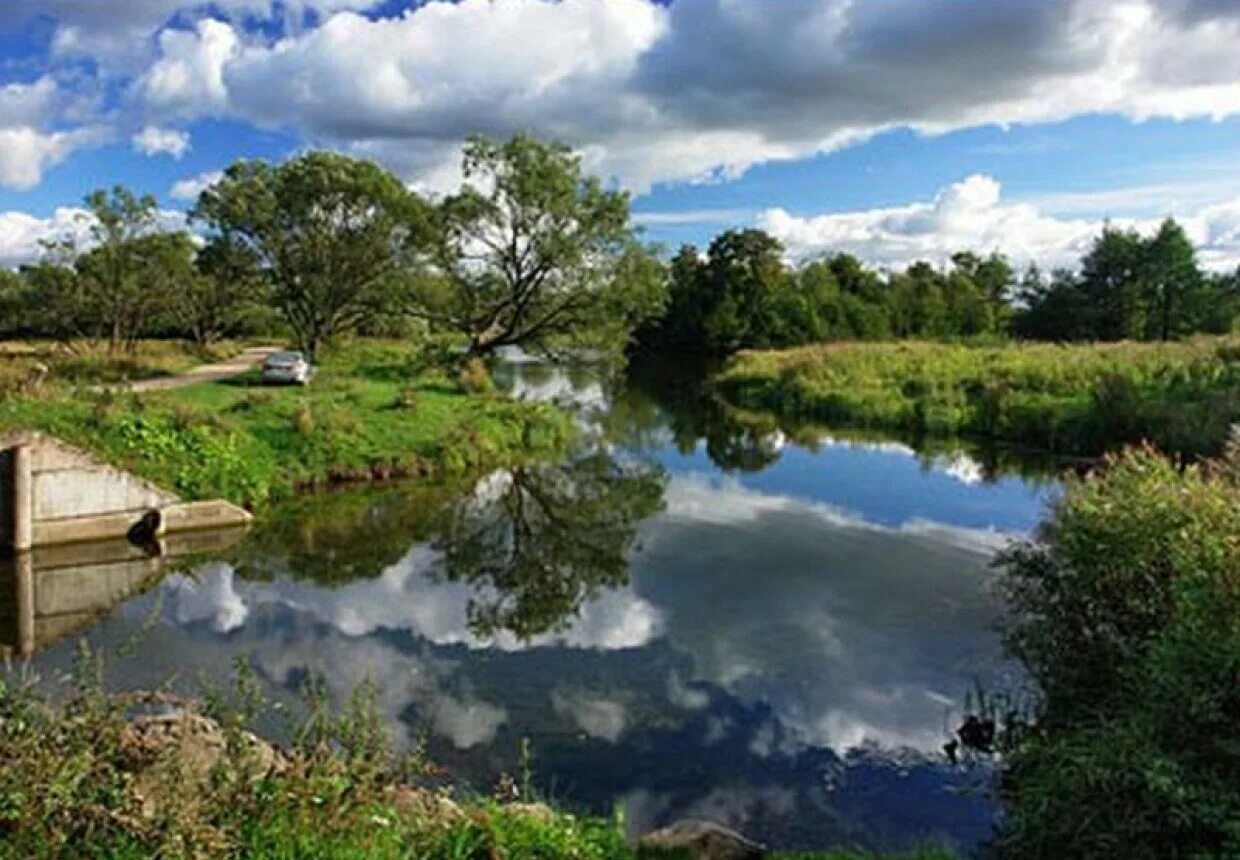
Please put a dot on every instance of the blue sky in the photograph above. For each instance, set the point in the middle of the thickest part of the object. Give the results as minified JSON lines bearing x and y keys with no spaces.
{"x":894,"y":129}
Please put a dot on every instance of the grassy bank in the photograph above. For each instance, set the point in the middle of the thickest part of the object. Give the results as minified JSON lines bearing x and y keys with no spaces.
{"x":86,"y":362}
{"x":371,"y":412}
{"x":1070,"y":399}
{"x":128,"y":777}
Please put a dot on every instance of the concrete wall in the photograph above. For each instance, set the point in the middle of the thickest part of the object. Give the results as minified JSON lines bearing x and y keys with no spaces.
{"x":53,"y":592}
{"x":65,"y":494}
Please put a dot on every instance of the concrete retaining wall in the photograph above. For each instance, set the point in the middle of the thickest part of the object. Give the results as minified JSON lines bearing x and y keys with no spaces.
{"x":54,"y":493}
{"x":55,"y":591}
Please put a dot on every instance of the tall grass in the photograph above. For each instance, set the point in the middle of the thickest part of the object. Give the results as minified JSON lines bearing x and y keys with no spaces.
{"x":1081,"y":399}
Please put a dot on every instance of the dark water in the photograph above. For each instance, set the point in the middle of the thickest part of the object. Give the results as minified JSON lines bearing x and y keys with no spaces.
{"x":692,"y":617}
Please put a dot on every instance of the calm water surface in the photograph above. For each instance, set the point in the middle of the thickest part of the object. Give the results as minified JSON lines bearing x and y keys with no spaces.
{"x":691,"y":617}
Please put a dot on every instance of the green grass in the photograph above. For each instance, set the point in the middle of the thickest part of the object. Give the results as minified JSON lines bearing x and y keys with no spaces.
{"x":1080,"y":399}
{"x":371,"y":412}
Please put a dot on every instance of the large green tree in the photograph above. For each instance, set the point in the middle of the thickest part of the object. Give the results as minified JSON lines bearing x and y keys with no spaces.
{"x":127,"y":276}
{"x":225,"y":289}
{"x":532,"y":252}
{"x":333,"y":234}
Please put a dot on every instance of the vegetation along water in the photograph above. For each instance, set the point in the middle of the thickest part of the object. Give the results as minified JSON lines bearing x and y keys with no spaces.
{"x":786,"y":545}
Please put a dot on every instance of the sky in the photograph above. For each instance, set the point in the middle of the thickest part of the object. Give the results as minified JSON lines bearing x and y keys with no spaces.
{"x":892,"y":129}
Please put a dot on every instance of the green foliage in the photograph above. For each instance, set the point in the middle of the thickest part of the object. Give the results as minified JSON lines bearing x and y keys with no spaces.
{"x":1129,"y":287}
{"x":534,"y":253}
{"x":253,"y":445}
{"x":1126,"y":613}
{"x":331,"y":233}
{"x":744,"y":296}
{"x":1079,"y":400}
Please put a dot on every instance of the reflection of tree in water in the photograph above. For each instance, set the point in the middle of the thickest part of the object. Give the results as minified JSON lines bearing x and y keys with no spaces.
{"x":677,"y":400}
{"x":537,"y":542}
{"x":334,"y":538}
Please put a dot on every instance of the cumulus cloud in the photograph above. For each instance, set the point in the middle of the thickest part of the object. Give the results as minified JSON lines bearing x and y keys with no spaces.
{"x":649,"y":91}
{"x":706,"y":88}
{"x":191,"y":187}
{"x":153,"y":141}
{"x":21,"y":234}
{"x":971,"y":214}
{"x":188,"y":77}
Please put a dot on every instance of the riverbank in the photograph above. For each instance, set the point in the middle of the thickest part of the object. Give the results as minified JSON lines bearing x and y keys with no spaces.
{"x":145,"y":775}
{"x":1080,"y":400}
{"x":372,"y":412}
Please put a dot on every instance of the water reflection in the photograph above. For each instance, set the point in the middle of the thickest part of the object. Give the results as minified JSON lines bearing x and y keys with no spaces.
{"x":754,"y":629}
{"x":536,"y":543}
{"x":54,"y":592}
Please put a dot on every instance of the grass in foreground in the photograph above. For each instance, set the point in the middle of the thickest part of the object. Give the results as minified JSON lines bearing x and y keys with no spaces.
{"x":85,"y":779}
{"x":371,"y":412}
{"x":1081,"y":399}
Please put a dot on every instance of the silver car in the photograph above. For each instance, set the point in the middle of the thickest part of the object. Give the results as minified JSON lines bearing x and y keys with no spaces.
{"x":287,"y":368}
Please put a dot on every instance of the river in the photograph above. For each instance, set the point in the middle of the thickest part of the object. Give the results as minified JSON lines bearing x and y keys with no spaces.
{"x":693,"y":616}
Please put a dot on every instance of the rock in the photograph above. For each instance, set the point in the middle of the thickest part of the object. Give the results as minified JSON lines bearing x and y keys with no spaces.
{"x":421,"y":803}
{"x":537,"y":811}
{"x":701,"y":840}
{"x":180,"y":749}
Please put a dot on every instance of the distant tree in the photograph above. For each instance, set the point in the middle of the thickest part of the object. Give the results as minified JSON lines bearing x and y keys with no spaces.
{"x":333,"y":234}
{"x":12,"y":309}
{"x":225,"y":288}
{"x":130,"y":270}
{"x":532,"y":252}
{"x":1110,"y":282}
{"x":52,"y":303}
{"x":1054,"y":309}
{"x":1172,"y":282}
{"x":1217,"y":306}
{"x":744,"y":273}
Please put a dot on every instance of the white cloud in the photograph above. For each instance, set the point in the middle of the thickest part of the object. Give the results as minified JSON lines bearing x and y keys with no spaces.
{"x":187,"y":79}
{"x":153,"y":141}
{"x":21,"y":234}
{"x":971,"y":214}
{"x":190,"y":188}
{"x":706,"y":88}
{"x":651,"y":92}
{"x":26,"y":152}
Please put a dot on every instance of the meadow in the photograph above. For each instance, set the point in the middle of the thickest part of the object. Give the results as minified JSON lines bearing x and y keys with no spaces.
{"x":1072,"y":399}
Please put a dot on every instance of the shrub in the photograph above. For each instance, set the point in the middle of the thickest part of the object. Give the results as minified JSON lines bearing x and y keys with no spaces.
{"x":1126,"y":613}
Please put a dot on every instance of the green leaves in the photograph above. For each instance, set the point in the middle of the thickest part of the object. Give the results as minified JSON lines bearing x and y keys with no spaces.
{"x":532,"y":252}
{"x":331,"y":233}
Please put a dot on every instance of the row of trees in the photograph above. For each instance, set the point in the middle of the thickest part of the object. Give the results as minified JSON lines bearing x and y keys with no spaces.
{"x":529,"y":252}
{"x":741,"y":294}
{"x":533,"y":252}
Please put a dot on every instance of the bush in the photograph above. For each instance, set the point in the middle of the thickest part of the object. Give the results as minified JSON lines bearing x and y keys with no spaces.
{"x":1126,"y":613}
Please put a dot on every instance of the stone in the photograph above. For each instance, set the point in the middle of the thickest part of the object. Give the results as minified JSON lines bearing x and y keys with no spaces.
{"x":701,"y":840}
{"x":181,"y":748}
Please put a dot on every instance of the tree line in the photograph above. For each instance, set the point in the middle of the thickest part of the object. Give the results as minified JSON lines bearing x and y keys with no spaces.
{"x":534,"y":252}
{"x":741,"y":294}
{"x":530,"y":251}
